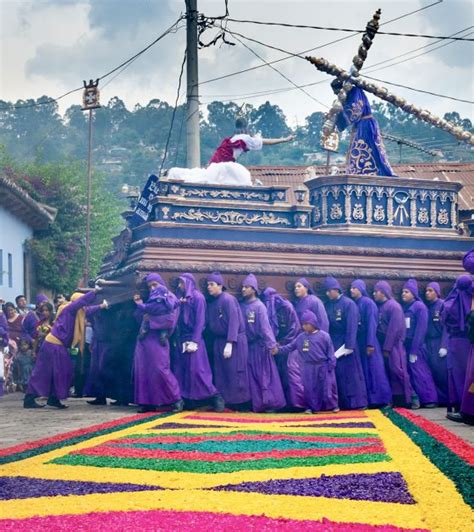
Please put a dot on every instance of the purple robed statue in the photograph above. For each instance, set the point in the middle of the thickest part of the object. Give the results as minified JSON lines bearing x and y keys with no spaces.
{"x":265,"y":385}
{"x":391,"y":331}
{"x":416,"y":321}
{"x":436,"y":342}
{"x":307,"y":300}
{"x":319,"y":363}
{"x":343,"y":317}
{"x":154,"y":382}
{"x":230,"y":348}
{"x":286,"y":327}
{"x":53,"y":372}
{"x":378,"y":386}
{"x":190,"y":361}
{"x":366,"y":153}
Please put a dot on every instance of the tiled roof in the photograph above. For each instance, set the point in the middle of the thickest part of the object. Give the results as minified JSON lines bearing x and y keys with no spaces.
{"x":295,"y":175}
{"x":17,"y":201}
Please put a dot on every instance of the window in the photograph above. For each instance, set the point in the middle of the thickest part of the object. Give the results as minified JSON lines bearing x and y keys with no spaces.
{"x":10,"y":270}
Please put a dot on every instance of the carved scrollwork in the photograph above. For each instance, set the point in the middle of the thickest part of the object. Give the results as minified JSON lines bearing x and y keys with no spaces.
{"x":230,"y":217}
{"x":379,"y":213}
{"x":316,"y":215}
{"x":423,"y":217}
{"x":443,"y":217}
{"x":358,"y":212}
{"x":336,"y":211}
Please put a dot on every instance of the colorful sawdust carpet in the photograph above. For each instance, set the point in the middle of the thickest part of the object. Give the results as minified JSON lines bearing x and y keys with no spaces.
{"x":205,"y":471}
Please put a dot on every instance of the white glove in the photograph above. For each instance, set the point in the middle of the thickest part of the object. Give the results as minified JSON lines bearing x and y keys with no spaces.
{"x":6,"y":350}
{"x":191,"y":347}
{"x":105,"y":304}
{"x":442,"y":352}
{"x":185,"y":347}
{"x":348,"y":351}
{"x":412,"y":358}
{"x":228,"y":350}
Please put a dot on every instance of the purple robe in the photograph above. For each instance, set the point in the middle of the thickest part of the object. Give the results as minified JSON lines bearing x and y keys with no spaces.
{"x":265,"y":385}
{"x":286,"y":327}
{"x":154,"y":382}
{"x":376,"y":379}
{"x":100,"y":352}
{"x":192,"y":369}
{"x":416,"y":322}
{"x":226,"y":324}
{"x":391,"y":331}
{"x":343,"y":317}
{"x":437,"y":338}
{"x":53,"y":372}
{"x":467,"y":403}
{"x":319,"y":363}
{"x":313,"y":303}
{"x":454,"y":316}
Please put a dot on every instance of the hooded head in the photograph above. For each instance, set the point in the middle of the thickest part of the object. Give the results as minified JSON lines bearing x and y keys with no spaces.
{"x":189,"y":285}
{"x":458,"y":303}
{"x":435,"y":287}
{"x":155,"y":277}
{"x":311,"y":318}
{"x":41,"y":298}
{"x":251,"y":281}
{"x":468,"y":261}
{"x":306,"y":284}
{"x":412,"y":286}
{"x":331,"y":283}
{"x":216,"y":277}
{"x":360,"y":285}
{"x":385,"y":288}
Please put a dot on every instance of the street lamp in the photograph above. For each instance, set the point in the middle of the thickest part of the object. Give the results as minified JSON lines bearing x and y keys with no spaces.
{"x":90,"y":101}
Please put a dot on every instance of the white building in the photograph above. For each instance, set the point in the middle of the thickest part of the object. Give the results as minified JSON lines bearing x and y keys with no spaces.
{"x":20,"y":216}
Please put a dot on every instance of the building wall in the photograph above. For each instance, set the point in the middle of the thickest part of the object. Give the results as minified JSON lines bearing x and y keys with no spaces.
{"x":13,"y":233}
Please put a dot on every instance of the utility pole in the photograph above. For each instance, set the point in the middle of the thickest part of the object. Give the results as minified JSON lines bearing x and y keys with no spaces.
{"x":192,"y":91}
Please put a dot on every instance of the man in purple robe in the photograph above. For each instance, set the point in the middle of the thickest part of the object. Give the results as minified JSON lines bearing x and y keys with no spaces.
{"x":190,"y":361}
{"x":286,"y":327}
{"x":307,"y":300}
{"x":343,"y":317}
{"x":454,"y":315}
{"x":100,"y":348}
{"x":32,"y":319}
{"x":53,"y":372}
{"x":154,"y":382}
{"x":436,"y":342}
{"x":317,"y":352}
{"x":416,"y":322}
{"x":391,"y":331}
{"x":379,"y":392}
{"x":230,"y":350}
{"x":265,"y":385}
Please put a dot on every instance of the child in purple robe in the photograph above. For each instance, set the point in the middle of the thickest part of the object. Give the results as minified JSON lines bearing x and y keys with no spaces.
{"x":100,"y":352}
{"x":190,"y":361}
{"x":379,"y":392}
{"x":307,"y":300}
{"x":230,"y":349}
{"x":319,"y":363}
{"x":154,"y":382}
{"x":265,"y":385}
{"x":436,"y":342}
{"x":286,"y":327}
{"x":53,"y":372}
{"x":343,"y":317}
{"x":416,"y":321}
{"x":391,"y":331}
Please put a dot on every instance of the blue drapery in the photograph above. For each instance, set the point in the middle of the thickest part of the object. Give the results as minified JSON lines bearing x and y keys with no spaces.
{"x":366,"y":153}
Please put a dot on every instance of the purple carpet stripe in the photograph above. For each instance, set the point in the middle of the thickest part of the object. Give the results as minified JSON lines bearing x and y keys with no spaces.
{"x":351,"y":425}
{"x":190,"y":426}
{"x":25,"y":488}
{"x":379,"y":487}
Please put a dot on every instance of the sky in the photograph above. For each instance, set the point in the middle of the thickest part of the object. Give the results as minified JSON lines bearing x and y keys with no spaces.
{"x":48,"y":47}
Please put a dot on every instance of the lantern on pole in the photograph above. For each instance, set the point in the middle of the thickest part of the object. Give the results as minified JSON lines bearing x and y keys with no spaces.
{"x":90,"y":101}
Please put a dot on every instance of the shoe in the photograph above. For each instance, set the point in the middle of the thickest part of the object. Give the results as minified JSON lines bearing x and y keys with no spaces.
{"x":98,"y":401}
{"x":29,"y":402}
{"x":455,"y":416}
{"x":431,"y":405}
{"x":219,"y":403}
{"x":178,"y":406}
{"x":336,"y":410}
{"x":308,"y":411}
{"x":415,"y":403}
{"x":146,"y":408}
{"x":118,"y":403}
{"x":56,"y":403}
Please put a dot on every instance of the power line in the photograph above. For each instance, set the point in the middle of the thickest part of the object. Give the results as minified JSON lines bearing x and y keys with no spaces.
{"x":346,"y":30}
{"x":291,"y":55}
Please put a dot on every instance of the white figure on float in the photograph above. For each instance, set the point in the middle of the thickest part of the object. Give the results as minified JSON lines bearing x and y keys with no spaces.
{"x":223,"y":168}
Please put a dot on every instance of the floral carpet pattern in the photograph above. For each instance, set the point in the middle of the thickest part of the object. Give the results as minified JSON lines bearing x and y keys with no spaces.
{"x":359,"y":471}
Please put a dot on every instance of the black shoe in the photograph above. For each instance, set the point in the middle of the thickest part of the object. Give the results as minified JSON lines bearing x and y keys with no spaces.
{"x":178,"y":406}
{"x":431,"y":405}
{"x":415,"y":403}
{"x":455,"y":416}
{"x":219,"y":403}
{"x":146,"y":408}
{"x":56,"y":403}
{"x":98,"y":401}
{"x":29,"y":402}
